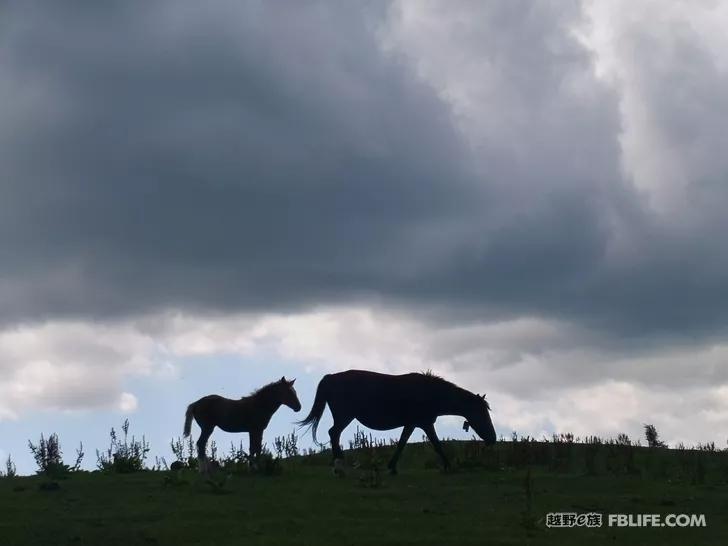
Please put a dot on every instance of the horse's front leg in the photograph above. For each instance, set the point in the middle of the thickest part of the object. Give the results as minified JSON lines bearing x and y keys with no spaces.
{"x":406,"y":433}
{"x":432,"y":436}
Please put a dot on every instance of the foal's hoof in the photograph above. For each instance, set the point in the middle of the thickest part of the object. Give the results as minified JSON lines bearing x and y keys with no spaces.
{"x":392,"y":471}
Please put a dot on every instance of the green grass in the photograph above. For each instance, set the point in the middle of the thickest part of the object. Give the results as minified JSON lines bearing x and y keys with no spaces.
{"x":484,"y":501}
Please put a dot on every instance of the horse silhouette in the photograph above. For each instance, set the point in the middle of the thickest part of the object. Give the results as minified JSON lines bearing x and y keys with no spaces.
{"x":383,"y":402}
{"x":248,"y":414}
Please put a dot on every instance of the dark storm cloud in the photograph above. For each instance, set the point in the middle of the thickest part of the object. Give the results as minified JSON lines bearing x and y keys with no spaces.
{"x":235,"y":159}
{"x":271,"y":156}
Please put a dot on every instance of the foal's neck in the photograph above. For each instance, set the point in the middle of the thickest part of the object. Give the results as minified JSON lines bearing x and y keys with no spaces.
{"x":268,"y":402}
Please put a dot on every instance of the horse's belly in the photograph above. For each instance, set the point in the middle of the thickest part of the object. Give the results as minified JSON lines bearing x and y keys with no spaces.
{"x":380,"y":423}
{"x":234,"y":428}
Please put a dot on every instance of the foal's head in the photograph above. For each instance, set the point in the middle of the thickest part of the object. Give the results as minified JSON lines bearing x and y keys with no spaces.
{"x":287,"y":394}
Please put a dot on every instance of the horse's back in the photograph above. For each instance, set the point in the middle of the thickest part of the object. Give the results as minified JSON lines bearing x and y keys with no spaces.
{"x":366,"y":377}
{"x":378,"y":400}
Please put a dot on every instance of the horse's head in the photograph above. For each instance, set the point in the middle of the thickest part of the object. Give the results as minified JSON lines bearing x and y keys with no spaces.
{"x":478,"y":417}
{"x":288,"y":394}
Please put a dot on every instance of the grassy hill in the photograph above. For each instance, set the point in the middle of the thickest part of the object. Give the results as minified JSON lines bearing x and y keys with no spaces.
{"x":497,"y":495}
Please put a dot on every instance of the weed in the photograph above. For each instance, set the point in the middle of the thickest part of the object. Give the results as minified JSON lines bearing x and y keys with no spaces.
{"x":10,"y":470}
{"x":266,"y":464}
{"x":286,"y":446}
{"x":123,"y":455}
{"x":652,"y":437}
{"x":49,"y":457}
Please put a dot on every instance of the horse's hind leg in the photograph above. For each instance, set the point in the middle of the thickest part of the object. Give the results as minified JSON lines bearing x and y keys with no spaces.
{"x":432,"y":436}
{"x":205,"y":433}
{"x":334,"y":435}
{"x":406,"y":433}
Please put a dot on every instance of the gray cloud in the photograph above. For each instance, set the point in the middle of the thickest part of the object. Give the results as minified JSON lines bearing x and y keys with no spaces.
{"x":246,"y":157}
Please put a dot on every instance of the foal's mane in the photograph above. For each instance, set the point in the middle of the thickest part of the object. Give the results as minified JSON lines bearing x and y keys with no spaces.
{"x":264,"y":392}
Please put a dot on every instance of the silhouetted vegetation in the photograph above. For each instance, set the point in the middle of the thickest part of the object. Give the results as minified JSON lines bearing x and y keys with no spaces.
{"x":49,"y":457}
{"x":498,"y":492}
{"x":124,"y":455}
{"x":652,"y":437}
{"x":184,"y":452}
{"x":286,"y":446}
{"x":10,"y":469}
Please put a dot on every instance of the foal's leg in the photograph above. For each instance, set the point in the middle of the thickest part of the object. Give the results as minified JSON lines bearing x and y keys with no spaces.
{"x":406,"y":433}
{"x":432,"y":436}
{"x":205,"y":433}
{"x":256,"y":445}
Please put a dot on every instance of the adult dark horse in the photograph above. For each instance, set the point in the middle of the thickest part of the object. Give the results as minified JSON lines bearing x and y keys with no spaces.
{"x":249,"y":414}
{"x":384,"y":402}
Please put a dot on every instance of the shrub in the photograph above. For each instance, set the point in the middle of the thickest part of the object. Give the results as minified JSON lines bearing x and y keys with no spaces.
{"x":286,"y":446}
{"x":49,"y":456}
{"x":10,"y":470}
{"x":652,"y":437}
{"x":266,"y":465}
{"x":125,"y":455}
{"x":185,"y":453}
{"x":160,"y":464}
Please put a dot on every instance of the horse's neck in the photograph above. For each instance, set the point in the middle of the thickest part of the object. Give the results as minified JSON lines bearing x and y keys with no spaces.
{"x":454,"y":402}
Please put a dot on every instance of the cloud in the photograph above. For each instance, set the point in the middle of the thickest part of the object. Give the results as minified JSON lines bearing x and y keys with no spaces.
{"x":72,"y":366}
{"x":523,"y":194}
{"x":220,"y":161}
{"x":540,"y":377}
{"x":671,"y":77}
{"x":480,"y":160}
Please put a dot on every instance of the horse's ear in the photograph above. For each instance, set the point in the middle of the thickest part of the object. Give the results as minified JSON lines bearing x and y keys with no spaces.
{"x":283,"y":379}
{"x":292,"y":381}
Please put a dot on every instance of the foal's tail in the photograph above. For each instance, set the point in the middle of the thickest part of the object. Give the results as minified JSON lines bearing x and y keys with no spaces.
{"x":188,"y":419}
{"x":317,"y":410}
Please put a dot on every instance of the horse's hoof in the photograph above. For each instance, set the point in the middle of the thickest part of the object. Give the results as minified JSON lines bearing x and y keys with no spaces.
{"x":392,"y":471}
{"x":338,"y":469}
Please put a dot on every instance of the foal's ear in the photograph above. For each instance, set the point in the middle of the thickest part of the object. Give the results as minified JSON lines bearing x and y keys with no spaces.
{"x":292,"y":381}
{"x":283,"y":379}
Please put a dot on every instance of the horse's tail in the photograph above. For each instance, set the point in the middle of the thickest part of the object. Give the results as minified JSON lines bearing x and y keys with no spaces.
{"x":317,"y":410}
{"x":188,"y":419}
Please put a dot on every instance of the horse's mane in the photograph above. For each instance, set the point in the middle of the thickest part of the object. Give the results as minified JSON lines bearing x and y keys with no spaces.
{"x":439,"y":379}
{"x":432,"y":376}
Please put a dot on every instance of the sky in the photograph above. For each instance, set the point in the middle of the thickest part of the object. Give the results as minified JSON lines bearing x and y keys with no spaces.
{"x":526,"y":197}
